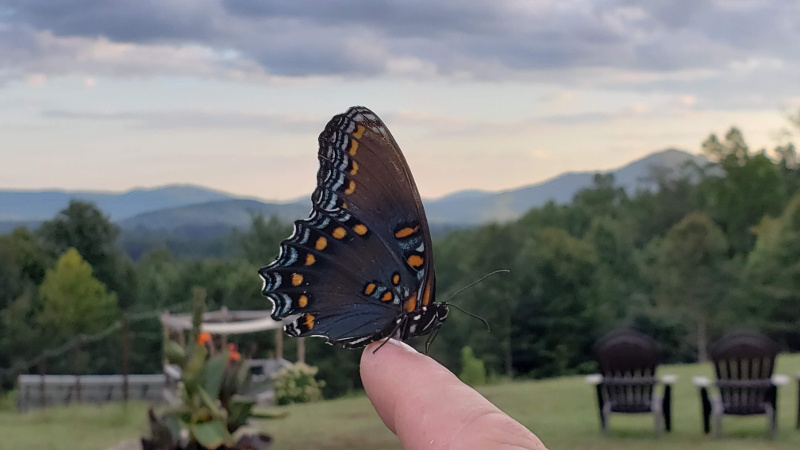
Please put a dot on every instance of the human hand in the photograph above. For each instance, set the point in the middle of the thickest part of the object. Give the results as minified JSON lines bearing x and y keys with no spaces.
{"x":428,"y":407}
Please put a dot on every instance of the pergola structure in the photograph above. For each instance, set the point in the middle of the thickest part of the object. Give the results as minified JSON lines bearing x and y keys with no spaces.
{"x":224,"y":322}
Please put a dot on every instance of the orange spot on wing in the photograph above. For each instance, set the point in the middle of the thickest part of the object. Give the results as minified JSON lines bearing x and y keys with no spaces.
{"x":370,"y":289}
{"x":321,"y":243}
{"x":338,"y":233}
{"x":350,"y":188}
{"x":309,"y":321}
{"x":396,"y":279}
{"x":353,"y":147}
{"x":344,"y":205}
{"x":302,"y":301}
{"x":360,"y":229}
{"x":415,"y":261}
{"x":359,"y":132}
{"x":310,"y":259}
{"x":296,"y":279}
{"x":426,"y":297}
{"x":387,"y":296}
{"x":354,"y":169}
{"x":411,"y":303}
{"x":406,"y":232}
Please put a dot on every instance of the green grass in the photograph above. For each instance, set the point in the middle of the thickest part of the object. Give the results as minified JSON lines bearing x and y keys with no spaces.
{"x":561,"y":411}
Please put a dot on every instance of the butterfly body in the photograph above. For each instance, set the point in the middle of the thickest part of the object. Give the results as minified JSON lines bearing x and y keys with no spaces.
{"x":360,"y":268}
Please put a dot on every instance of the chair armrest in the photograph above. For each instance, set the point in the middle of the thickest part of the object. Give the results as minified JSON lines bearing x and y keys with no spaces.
{"x":668,"y":379}
{"x":701,"y":381}
{"x":780,"y":379}
{"x":594,"y":379}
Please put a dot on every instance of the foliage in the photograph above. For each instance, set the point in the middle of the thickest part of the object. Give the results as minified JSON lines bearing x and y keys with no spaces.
{"x":562,"y":412}
{"x":73,"y":300}
{"x":716,"y":244}
{"x":473,"y":371}
{"x":84,"y":227}
{"x":773,"y":273}
{"x":297,"y":384}
{"x":208,"y":414}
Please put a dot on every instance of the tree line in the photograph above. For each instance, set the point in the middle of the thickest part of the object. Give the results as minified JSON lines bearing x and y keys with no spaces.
{"x":716,"y":247}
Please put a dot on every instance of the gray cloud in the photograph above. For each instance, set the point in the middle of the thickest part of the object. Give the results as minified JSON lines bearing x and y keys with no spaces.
{"x":549,"y":39}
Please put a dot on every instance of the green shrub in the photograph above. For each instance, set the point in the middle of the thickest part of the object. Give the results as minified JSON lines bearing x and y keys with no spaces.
{"x":473,"y":371}
{"x":296,"y":384}
{"x":7,"y":401}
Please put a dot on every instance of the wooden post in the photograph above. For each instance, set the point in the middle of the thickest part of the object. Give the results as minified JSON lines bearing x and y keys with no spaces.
{"x":76,"y":367}
{"x":42,"y":386}
{"x":279,"y":343}
{"x":301,"y":350}
{"x":165,"y":338}
{"x":126,"y":344}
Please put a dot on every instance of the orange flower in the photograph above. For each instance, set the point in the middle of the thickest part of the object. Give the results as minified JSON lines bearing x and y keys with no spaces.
{"x":203,"y":338}
{"x":233,"y":353}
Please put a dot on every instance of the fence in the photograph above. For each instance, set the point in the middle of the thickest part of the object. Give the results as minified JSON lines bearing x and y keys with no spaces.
{"x":37,"y":391}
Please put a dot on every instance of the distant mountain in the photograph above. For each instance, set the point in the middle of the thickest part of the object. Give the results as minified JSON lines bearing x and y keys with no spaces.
{"x":196,"y":211}
{"x":476,"y":207}
{"x":43,"y":205}
{"x":222,"y":214}
{"x":471,"y":207}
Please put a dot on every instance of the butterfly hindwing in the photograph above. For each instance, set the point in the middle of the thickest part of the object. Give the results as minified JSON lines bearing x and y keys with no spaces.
{"x":363,"y":258}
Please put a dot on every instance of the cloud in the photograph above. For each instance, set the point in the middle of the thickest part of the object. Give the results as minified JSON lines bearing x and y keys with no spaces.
{"x":665,"y":45}
{"x":195,"y":119}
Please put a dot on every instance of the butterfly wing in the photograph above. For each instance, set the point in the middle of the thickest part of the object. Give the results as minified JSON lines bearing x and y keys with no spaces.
{"x":363,"y":257}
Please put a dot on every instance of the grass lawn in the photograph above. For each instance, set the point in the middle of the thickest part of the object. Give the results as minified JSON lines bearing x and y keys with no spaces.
{"x":561,"y":411}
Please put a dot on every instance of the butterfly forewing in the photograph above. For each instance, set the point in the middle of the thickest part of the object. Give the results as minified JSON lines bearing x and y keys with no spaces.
{"x":363,"y":258}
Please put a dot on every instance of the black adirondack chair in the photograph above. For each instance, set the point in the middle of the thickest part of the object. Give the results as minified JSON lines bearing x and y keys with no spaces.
{"x":745,"y":384}
{"x":627,"y":361}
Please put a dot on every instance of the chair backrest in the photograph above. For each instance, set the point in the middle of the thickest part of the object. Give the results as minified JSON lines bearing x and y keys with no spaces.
{"x":744,"y":363}
{"x":628,"y":361}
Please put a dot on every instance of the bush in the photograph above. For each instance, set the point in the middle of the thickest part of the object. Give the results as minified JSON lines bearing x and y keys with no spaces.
{"x":473,"y":371}
{"x":7,"y":401}
{"x":296,"y":384}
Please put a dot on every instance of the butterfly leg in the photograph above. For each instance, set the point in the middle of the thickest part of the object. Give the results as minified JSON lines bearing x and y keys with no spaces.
{"x":392,"y":334}
{"x":432,"y":336}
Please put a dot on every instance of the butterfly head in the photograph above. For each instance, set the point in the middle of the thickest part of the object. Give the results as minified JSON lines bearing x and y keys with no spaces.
{"x":426,"y":320}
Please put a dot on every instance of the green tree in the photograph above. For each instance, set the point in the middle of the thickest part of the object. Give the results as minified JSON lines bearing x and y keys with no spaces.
{"x":689,"y":268}
{"x":739,"y":188}
{"x":773,"y":273}
{"x":555,"y":321}
{"x":74,"y":302}
{"x":260,"y":244}
{"x":22,"y":265}
{"x":84,"y":227}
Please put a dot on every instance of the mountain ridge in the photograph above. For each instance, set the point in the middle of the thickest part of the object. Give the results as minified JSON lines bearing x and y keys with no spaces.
{"x":179,"y":206}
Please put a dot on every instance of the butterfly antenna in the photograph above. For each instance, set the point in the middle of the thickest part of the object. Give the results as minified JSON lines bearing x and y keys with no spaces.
{"x":488,"y":328}
{"x":476,"y":282}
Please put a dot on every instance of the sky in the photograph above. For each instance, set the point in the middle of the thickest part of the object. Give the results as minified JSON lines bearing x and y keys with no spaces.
{"x":232,"y":94}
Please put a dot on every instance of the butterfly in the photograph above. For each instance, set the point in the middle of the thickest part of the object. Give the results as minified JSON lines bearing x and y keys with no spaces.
{"x":360,"y":268}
